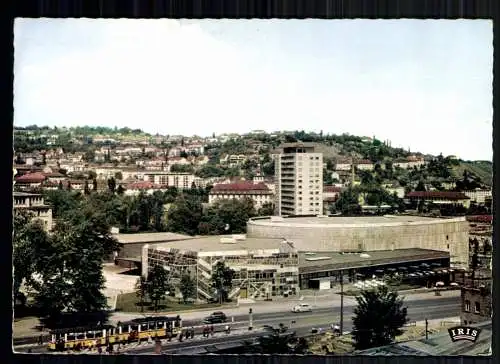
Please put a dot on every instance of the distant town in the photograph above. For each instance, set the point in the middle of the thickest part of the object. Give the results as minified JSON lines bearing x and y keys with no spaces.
{"x":163,"y":223}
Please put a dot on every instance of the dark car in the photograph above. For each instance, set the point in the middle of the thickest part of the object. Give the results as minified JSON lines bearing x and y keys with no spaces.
{"x":216,"y":318}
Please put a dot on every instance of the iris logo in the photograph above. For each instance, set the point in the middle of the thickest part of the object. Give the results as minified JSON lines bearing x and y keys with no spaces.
{"x":459,"y":333}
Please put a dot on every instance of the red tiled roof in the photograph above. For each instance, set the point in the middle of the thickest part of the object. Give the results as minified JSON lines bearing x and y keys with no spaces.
{"x":240,"y":186}
{"x":480,"y":218}
{"x":143,"y":185}
{"x":364,"y":161}
{"x":331,"y":189}
{"x":450,"y":195}
{"x":31,"y":178}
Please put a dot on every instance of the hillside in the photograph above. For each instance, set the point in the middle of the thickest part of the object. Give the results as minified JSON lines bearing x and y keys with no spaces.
{"x":482,"y":169}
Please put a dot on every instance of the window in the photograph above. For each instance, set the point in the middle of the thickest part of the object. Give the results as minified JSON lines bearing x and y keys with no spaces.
{"x":467,"y":306}
{"x":477,"y":307}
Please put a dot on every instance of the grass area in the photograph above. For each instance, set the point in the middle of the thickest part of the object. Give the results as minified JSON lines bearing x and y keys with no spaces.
{"x":128,"y":302}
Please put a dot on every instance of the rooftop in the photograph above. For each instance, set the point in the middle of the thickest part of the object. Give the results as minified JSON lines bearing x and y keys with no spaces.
{"x":310,"y":221}
{"x":26,"y":194}
{"x":450,"y":195}
{"x":240,"y":186}
{"x":337,"y":260}
{"x":214,"y":244}
{"x":438,"y":345}
{"x":149,"y":237}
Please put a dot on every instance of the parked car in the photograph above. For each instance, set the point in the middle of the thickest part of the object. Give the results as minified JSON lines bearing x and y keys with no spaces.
{"x":303,"y":307}
{"x":216,"y":318}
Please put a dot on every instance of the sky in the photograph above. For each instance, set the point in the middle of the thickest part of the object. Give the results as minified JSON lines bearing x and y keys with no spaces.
{"x":425,"y":85}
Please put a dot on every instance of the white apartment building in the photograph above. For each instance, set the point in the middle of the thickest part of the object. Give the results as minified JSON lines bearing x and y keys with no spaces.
{"x":479,"y":196}
{"x":35,"y":204}
{"x":299,"y":180}
{"x":167,"y":179}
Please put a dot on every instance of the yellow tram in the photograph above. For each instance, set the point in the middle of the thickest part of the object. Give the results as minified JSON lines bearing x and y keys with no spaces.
{"x":124,"y":332}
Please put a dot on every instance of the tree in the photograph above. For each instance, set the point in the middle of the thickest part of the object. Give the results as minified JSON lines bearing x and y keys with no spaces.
{"x":141,"y":290}
{"x":86,"y":189}
{"x":267,"y":209}
{"x":222,"y":280}
{"x":29,"y":242}
{"x":112,"y":184}
{"x":378,"y":318}
{"x":420,"y":186}
{"x":120,"y":190}
{"x":157,"y":285}
{"x":187,"y":287}
{"x":185,"y":215}
{"x":348,"y":202}
{"x":279,"y":341}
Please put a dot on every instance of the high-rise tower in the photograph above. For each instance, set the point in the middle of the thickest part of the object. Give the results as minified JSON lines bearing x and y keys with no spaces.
{"x":299,"y":180}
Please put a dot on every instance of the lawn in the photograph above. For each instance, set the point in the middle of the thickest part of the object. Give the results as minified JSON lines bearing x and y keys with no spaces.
{"x":128,"y":302}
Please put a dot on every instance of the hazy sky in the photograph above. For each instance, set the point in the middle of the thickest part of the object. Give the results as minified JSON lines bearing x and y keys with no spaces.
{"x":426,"y":85}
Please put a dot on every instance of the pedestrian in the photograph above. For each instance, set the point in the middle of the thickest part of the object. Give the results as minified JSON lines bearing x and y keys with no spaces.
{"x":192,"y":332}
{"x":227,"y":329}
{"x":40,"y":340}
{"x":212,"y":330}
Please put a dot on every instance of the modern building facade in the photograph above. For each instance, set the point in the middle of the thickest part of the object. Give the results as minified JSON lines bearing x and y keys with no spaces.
{"x":262,"y":267}
{"x":34,"y":203}
{"x":299,"y":180}
{"x":368,"y":233}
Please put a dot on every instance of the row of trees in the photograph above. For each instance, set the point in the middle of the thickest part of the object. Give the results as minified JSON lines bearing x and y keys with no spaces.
{"x":349,"y":199}
{"x":62,"y":271}
{"x":187,"y":215}
{"x":158,"y":285}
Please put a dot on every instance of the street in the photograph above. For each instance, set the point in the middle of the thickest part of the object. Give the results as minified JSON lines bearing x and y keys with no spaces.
{"x":418,"y":310}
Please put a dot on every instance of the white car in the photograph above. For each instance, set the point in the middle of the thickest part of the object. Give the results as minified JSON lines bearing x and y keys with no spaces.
{"x":303,"y":307}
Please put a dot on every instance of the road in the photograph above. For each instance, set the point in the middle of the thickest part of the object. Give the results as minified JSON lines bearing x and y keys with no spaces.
{"x":418,"y":310}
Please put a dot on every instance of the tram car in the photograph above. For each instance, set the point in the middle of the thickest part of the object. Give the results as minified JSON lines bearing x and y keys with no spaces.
{"x":124,"y":332}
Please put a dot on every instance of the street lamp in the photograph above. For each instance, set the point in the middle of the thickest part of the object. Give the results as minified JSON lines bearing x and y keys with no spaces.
{"x":250,"y":319}
{"x":341,"y":302}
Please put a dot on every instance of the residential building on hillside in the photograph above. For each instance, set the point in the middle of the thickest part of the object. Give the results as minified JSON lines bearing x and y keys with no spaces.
{"x":480,"y":196}
{"x":343,"y":165}
{"x":365,"y":165}
{"x":299,"y":180}
{"x":30,"y":180}
{"x":330,"y":195}
{"x":439,"y":197}
{"x":167,"y":179}
{"x":259,"y":193}
{"x":35,"y":204}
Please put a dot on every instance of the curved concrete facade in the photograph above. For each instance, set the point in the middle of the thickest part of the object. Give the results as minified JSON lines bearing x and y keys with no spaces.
{"x":369,"y":233}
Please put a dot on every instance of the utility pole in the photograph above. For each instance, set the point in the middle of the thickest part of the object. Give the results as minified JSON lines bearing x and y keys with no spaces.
{"x":341,"y":302}
{"x":250,"y":319}
{"x":426,"y":329}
